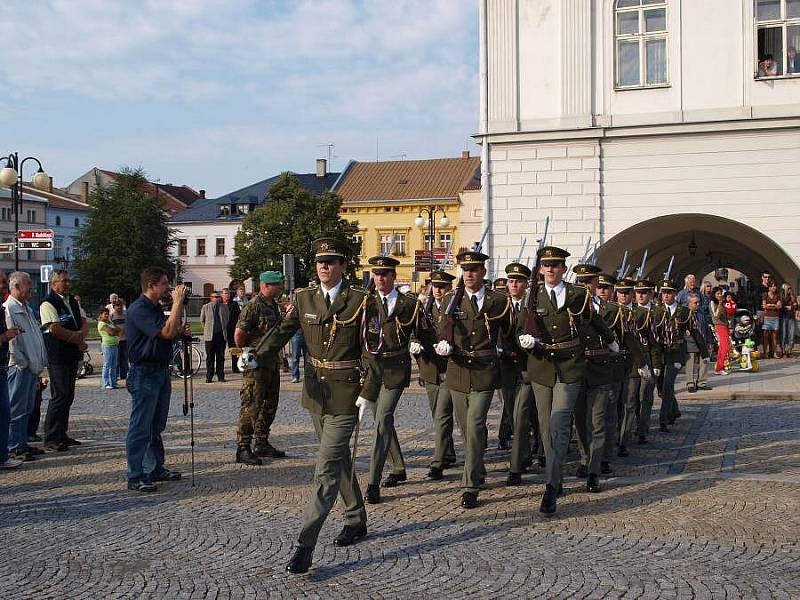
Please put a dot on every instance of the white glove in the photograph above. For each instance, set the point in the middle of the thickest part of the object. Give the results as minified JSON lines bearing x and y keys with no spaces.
{"x":656,"y":372}
{"x":527,"y":341}
{"x":443,"y":348}
{"x":614,"y":346}
{"x":677,"y":365}
{"x":645,"y":373}
{"x":361,"y":403}
{"x":247,"y":360}
{"x":415,"y":348}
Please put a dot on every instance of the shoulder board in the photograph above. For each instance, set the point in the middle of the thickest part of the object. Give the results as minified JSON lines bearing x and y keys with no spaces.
{"x":310,"y":288}
{"x":360,"y":289}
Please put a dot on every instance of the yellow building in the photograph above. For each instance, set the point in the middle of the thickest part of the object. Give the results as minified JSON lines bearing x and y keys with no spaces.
{"x":387,"y":200}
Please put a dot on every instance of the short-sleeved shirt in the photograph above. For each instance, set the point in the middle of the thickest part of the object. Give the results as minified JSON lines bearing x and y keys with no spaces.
{"x":105,"y":337}
{"x":143,"y":323}
{"x":49,"y":314}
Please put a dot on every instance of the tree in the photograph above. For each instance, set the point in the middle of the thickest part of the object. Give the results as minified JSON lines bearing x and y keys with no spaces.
{"x":125,"y":233}
{"x":288,"y":221}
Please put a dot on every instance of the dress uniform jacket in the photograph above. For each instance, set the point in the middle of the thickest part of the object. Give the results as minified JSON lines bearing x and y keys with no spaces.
{"x":619,"y":320}
{"x":474,"y":364}
{"x":671,"y":332}
{"x":596,"y":336}
{"x":644,"y":320}
{"x":513,"y":359}
{"x":333,"y":336}
{"x":431,"y":365}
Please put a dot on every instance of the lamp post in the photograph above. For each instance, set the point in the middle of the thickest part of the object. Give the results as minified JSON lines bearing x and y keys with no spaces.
{"x":11,"y":177}
{"x":420,"y":222}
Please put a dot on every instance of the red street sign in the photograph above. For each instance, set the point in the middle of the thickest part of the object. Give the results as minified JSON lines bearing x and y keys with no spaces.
{"x":35,"y":234}
{"x":35,"y":244}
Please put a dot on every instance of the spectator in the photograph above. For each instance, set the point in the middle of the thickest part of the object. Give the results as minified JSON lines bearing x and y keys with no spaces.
{"x":730,"y":307}
{"x":150,"y":336}
{"x":792,"y":60}
{"x":27,"y":359}
{"x":298,"y":348}
{"x":233,"y":317}
{"x":113,"y":299}
{"x":789,"y":301}
{"x":241,"y":298}
{"x":758,"y":300}
{"x":772,"y":310}
{"x":768,"y":67}
{"x":722,"y":328}
{"x":36,"y":415}
{"x":117,"y":314}
{"x":109,"y":344}
{"x":65,"y":330}
{"x":689,"y":287}
{"x":214,"y":317}
{"x":6,"y":462}
{"x":697,"y":364}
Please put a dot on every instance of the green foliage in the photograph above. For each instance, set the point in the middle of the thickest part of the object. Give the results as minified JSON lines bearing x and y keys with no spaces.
{"x":126,"y":232}
{"x":287,"y":223}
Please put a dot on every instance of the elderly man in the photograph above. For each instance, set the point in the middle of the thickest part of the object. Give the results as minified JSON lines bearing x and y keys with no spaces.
{"x":6,"y":335}
{"x":215,"y":316}
{"x":27,"y":359}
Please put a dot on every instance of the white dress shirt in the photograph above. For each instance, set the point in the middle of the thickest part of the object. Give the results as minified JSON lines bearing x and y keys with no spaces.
{"x":391,"y":300}
{"x":561,"y":293}
{"x":479,"y":295}
{"x":332,"y":292}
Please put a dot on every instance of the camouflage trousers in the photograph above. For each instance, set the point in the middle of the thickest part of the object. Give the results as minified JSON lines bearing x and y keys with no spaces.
{"x":259,"y":397}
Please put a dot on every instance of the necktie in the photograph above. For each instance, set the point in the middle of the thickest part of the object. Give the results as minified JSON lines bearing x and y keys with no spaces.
{"x":516,"y":308}
{"x":328,"y":300}
{"x":553,"y":298}
{"x":474,"y":301}
{"x":386,"y":306}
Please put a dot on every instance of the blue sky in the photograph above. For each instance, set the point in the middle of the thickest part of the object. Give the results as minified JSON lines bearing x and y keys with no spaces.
{"x":218,"y":95}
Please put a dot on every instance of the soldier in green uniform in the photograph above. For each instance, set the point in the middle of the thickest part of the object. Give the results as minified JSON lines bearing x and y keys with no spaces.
{"x":556,"y":365}
{"x":506,"y":428}
{"x":601,"y":350}
{"x":432,"y":368}
{"x":676,"y":321}
{"x":516,"y":386}
{"x":472,"y":368}
{"x":261,"y":386}
{"x":389,"y":323}
{"x":330,"y":317}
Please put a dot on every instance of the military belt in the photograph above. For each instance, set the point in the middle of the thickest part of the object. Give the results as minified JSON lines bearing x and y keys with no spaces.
{"x":491,"y":352}
{"x":394,"y":353}
{"x":334,"y":365}
{"x":563,"y":345}
{"x":600,"y":352}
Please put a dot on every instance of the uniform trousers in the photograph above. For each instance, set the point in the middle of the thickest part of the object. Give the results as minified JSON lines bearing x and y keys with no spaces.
{"x":638,"y":407}
{"x":259,"y":404}
{"x":669,"y":404}
{"x":386,"y":441}
{"x":508,"y":393}
{"x":471,"y":410}
{"x":524,"y":420}
{"x":590,"y":423}
{"x":555,"y":406}
{"x":333,"y":476}
{"x":441,"y":404}
{"x":615,"y":415}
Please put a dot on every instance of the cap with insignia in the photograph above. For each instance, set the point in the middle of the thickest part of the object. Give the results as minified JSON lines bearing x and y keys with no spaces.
{"x":271,"y":277}
{"x":500,"y":283}
{"x":606,"y":280}
{"x":441,"y":278}
{"x":471,"y":259}
{"x":586,"y":272}
{"x":383,"y":263}
{"x":517,"y":270}
{"x":643,"y":285}
{"x":552,"y":254}
{"x":625,"y":284}
{"x":326,"y":249}
{"x":666,"y":286}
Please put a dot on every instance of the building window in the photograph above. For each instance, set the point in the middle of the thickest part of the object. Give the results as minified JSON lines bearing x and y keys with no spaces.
{"x":58,"y":220}
{"x":201,"y":247}
{"x":77,"y":222}
{"x":4,"y":214}
{"x":641,"y":39}
{"x":220,"y":246}
{"x":58,"y":246}
{"x":386,"y":240}
{"x":357,"y":240}
{"x":778,"y":38}
{"x":224,"y":210}
{"x":445,"y":239}
{"x":183,"y":247}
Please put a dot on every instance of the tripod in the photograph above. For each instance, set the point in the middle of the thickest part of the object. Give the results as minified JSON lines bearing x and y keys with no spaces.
{"x":188,"y":385}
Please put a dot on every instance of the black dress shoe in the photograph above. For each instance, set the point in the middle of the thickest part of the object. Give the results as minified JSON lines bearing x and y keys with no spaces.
{"x":663,"y":429}
{"x":469,"y":500}
{"x":166,"y":475}
{"x":542,"y":461}
{"x":548,"y":505}
{"x":209,"y":380}
{"x":142,"y":486}
{"x":34,"y":451}
{"x":593,"y":484}
{"x":435,"y":473}
{"x":514,"y":479}
{"x":373,"y":494}
{"x":56,"y":447}
{"x":582,"y":472}
{"x":245,"y":457}
{"x":623,"y":452}
{"x":350,"y":534}
{"x":71,"y":441}
{"x":504,"y":444}
{"x":221,"y":379}
{"x":34,"y":438}
{"x":642,"y":440}
{"x":691,"y":388}
{"x":394,"y":479}
{"x":267,"y":450}
{"x":605,"y":468}
{"x":449,"y":464}
{"x":301,"y":560}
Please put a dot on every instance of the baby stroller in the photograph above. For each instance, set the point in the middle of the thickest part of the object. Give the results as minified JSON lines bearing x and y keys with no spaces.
{"x":743,"y":355}
{"x":85,"y":367}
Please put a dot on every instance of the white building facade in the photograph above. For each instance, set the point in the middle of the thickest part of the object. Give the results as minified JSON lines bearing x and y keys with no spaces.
{"x":667,"y":125}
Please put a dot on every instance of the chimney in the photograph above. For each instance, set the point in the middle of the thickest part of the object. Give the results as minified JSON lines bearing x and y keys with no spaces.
{"x":465,"y":154}
{"x":322,"y":167}
{"x":202,"y":194}
{"x":50,"y":185}
{"x":85,"y":192}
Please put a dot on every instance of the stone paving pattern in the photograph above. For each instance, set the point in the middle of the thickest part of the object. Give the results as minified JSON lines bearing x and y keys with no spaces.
{"x":709,"y":510}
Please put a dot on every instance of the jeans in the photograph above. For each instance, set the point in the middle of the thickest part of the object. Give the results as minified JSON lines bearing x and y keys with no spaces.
{"x":298,"y":347}
{"x":150,"y":389}
{"x":22,"y":394}
{"x":5,"y":415}
{"x":110,"y":366}
{"x":787,"y":332}
{"x":123,"y":360}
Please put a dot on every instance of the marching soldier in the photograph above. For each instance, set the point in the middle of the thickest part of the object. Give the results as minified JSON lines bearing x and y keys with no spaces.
{"x":556,"y":365}
{"x":501,"y":285}
{"x":676,"y":321}
{"x":432,"y":369}
{"x":472,"y":369}
{"x":389,"y":321}
{"x":601,"y":350}
{"x":260,"y":386}
{"x":330,"y":317}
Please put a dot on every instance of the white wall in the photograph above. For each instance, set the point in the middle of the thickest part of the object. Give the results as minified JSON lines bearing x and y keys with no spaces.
{"x":209,"y":268}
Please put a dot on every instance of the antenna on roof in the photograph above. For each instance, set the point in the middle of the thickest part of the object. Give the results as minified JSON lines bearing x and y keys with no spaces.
{"x":401,"y":156}
{"x":330,"y":148}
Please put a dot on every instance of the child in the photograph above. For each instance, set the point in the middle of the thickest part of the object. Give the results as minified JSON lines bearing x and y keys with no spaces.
{"x":109,"y":336}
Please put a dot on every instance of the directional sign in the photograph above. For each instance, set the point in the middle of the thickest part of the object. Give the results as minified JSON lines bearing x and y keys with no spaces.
{"x":35,"y":244}
{"x":44,"y":272}
{"x":422,"y":259}
{"x":7,"y":247}
{"x":35,"y":234}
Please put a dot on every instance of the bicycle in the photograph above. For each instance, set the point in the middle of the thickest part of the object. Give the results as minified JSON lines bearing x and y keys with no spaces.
{"x":176,"y":365}
{"x":85,"y":367}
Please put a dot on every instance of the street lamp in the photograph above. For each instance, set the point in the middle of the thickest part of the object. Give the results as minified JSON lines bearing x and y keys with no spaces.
{"x":420,"y":222}
{"x":11,"y":177}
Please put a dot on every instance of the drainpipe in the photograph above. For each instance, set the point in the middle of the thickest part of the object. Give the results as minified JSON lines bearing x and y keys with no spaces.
{"x":486,"y":198}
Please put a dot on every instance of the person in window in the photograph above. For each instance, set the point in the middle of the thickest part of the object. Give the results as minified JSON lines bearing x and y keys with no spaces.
{"x":792,"y":61}
{"x":768,"y":67}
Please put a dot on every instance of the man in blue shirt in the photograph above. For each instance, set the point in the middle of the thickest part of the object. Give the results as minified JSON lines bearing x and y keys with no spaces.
{"x":150,"y":335}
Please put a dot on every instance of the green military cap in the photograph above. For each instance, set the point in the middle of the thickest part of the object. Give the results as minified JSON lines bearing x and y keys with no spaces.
{"x":383,"y":263}
{"x":517,"y":270}
{"x":500,"y":283}
{"x":625,"y":284}
{"x":643,"y":285}
{"x":271,"y":277}
{"x":471,"y":259}
{"x":585,"y":269}
{"x":326,"y":249}
{"x":667,"y":286}
{"x":441,"y":278}
{"x":606,"y":280}
{"x":552,"y":254}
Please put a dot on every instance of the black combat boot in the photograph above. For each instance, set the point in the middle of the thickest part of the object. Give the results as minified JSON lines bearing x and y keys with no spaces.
{"x":246,"y":457}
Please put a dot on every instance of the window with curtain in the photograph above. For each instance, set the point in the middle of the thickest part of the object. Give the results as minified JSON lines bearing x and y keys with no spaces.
{"x":777,"y":38}
{"x":641,"y":43}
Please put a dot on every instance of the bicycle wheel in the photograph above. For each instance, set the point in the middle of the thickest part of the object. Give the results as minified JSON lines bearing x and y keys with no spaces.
{"x":177,"y":363}
{"x":196,"y":360}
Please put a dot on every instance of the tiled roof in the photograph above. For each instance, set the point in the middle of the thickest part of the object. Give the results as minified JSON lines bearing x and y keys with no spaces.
{"x":208,"y":209}
{"x":57,"y":198}
{"x":172,"y":204}
{"x":182,"y":192}
{"x":439,"y":178}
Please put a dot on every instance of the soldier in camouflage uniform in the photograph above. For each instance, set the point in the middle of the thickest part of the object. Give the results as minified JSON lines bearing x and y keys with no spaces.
{"x":261,"y":386}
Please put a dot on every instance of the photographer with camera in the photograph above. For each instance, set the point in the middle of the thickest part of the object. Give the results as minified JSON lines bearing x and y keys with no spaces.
{"x":150,"y":336}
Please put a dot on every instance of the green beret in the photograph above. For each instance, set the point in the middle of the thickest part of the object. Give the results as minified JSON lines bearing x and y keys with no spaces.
{"x":271,"y":277}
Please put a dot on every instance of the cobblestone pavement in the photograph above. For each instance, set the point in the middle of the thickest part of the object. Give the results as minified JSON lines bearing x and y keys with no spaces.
{"x":709,"y":510}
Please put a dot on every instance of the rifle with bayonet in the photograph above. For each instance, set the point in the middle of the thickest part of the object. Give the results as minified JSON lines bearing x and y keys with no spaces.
{"x":533,"y":320}
{"x":455,"y":301}
{"x":623,"y":267}
{"x":369,"y":281}
{"x":427,"y":308}
{"x":640,"y":270}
